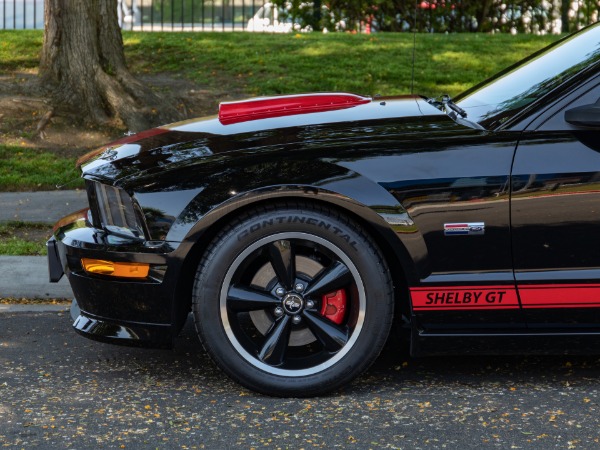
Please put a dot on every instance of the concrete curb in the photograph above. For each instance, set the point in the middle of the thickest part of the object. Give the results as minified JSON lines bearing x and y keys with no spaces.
{"x":36,"y":308}
{"x":40,"y":207}
{"x":27,"y":277}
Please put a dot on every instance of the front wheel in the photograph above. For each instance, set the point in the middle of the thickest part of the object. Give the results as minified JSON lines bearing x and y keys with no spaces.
{"x":293,"y":301}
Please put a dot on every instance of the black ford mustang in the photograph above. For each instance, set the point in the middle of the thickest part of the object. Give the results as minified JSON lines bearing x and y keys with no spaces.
{"x":297,"y":229}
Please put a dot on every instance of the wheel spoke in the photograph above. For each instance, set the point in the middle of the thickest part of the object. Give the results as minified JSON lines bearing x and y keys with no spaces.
{"x":282,"y":257}
{"x":274,"y":347}
{"x":240,"y":299}
{"x":332,"y":336}
{"x":331,"y":279}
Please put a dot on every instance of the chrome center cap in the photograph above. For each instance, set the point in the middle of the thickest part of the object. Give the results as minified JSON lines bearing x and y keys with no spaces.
{"x":292,"y":303}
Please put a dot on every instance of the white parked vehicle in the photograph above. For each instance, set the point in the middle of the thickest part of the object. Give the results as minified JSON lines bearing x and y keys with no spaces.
{"x":271,"y":18}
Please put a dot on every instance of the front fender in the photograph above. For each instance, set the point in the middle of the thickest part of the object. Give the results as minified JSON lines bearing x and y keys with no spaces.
{"x":221,"y":200}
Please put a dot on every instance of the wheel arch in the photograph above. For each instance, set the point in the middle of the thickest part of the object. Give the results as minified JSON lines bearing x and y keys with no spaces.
{"x":201,"y":235}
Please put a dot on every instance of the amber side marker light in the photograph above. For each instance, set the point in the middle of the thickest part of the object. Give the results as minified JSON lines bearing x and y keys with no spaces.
{"x":115,"y":269}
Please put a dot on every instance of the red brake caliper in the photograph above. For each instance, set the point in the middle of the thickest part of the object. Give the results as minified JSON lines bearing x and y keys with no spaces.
{"x":333,"y":306}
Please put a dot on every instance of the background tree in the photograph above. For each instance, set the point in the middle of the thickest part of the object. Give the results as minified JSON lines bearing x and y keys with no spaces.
{"x":83,"y":66}
{"x":514,"y":16}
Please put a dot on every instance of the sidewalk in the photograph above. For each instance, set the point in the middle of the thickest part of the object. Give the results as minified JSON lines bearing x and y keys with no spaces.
{"x":27,"y":276}
{"x":40,"y":207}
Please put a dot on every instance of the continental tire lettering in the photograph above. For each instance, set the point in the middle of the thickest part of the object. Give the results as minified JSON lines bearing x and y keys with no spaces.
{"x":324,"y":225}
{"x":346,"y":237}
{"x":268,"y":222}
{"x":461,"y":298}
{"x":254,"y":228}
{"x":297,"y":219}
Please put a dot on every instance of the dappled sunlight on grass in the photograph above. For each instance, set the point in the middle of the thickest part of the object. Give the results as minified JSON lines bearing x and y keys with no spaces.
{"x":19,"y":50}
{"x":438,"y":89}
{"x":451,"y":55}
{"x":458,"y":62}
{"x":263,"y":64}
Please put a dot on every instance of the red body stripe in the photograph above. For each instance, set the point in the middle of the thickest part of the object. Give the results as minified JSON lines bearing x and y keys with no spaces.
{"x":460,"y":298}
{"x":454,"y":298}
{"x":560,"y":295}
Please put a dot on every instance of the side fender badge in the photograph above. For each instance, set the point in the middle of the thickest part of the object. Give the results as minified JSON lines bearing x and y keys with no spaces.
{"x":464,"y":229}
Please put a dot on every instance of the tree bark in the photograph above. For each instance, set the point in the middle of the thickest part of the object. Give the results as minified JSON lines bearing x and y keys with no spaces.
{"x":483,"y":14}
{"x":565,"y":7}
{"x":83,"y":66}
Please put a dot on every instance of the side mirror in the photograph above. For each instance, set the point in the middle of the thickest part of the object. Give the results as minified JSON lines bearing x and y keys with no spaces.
{"x":586,"y":115}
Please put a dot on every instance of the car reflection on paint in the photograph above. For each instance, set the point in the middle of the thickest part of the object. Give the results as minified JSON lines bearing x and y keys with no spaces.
{"x":298,"y":229}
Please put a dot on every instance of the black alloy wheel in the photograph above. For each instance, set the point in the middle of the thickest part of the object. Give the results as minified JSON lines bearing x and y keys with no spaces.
{"x":293,"y":301}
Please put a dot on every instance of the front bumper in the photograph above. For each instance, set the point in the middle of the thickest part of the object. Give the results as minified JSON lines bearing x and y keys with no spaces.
{"x":125,"y":333}
{"x":117,"y":310}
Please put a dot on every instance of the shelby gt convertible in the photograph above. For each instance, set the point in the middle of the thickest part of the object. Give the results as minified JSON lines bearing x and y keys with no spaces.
{"x":298,"y":229}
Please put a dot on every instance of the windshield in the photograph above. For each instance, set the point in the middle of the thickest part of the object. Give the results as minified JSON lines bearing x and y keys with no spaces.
{"x":500,"y":98}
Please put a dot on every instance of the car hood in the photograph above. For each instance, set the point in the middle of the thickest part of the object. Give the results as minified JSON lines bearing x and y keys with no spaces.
{"x":162,"y":148}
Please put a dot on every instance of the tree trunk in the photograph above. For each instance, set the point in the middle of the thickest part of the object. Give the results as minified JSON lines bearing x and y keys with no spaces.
{"x":83,"y":66}
{"x":565,"y":6}
{"x":482,"y":14}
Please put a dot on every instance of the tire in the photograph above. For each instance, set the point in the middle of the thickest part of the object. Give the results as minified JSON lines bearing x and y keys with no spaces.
{"x":295,"y":300}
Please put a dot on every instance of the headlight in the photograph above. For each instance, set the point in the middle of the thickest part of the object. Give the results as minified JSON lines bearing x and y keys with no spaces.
{"x":114,"y":211}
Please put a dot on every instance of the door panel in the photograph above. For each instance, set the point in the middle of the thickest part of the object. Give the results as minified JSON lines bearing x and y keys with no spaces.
{"x":555,"y":217}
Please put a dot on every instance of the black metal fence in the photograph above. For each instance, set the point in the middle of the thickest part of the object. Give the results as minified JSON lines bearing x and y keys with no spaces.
{"x":21,"y":14}
{"x":529,"y":16}
{"x":187,"y":15}
{"x":154,"y":15}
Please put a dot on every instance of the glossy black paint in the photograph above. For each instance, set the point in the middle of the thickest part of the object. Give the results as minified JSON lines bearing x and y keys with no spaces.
{"x":556,"y":219}
{"x":400,"y":167}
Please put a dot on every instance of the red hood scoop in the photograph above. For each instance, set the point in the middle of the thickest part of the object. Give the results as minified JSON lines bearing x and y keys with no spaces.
{"x":263,"y":108}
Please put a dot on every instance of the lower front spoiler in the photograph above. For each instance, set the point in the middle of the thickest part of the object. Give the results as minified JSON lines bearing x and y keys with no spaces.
{"x":123,"y":333}
{"x":55,"y":268}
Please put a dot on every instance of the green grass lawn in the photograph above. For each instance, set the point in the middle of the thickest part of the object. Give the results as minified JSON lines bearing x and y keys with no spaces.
{"x":12,"y":246}
{"x":263,"y":64}
{"x":29,"y":169}
{"x":20,"y":238}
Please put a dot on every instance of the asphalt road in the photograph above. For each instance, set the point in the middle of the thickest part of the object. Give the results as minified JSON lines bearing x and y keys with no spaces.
{"x":60,"y":390}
